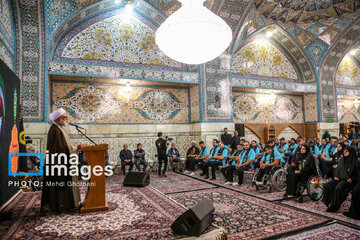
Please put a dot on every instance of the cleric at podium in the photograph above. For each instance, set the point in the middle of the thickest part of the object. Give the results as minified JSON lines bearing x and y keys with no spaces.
{"x":58,"y":193}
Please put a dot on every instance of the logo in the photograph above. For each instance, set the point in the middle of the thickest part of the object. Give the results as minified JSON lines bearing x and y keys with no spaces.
{"x":11,"y":171}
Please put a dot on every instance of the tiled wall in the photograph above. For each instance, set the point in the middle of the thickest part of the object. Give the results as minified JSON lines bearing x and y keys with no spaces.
{"x":347,"y":111}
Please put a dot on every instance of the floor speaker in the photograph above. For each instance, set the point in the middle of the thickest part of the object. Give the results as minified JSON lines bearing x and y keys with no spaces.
{"x":137,"y":179}
{"x":195,"y":220}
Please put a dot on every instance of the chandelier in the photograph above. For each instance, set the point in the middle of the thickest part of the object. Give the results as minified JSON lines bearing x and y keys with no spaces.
{"x":193,"y":34}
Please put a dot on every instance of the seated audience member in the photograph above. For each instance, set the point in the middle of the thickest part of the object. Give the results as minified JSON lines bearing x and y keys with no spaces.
{"x":322,"y":147}
{"x":313,"y":147}
{"x":326,"y":134}
{"x":139,"y":157}
{"x":270,"y":159}
{"x":242,"y":163}
{"x":339,"y":154}
{"x":296,"y":152}
{"x":214,"y":151}
{"x":174,"y":156}
{"x":336,"y":191}
{"x":242,"y":141}
{"x":292,"y":147}
{"x":318,"y":142}
{"x":126,"y":159}
{"x":236,"y":140}
{"x":191,"y":162}
{"x":326,"y":157}
{"x":302,"y":168}
{"x":346,"y":138}
{"x":346,"y":142}
{"x":256,"y":149}
{"x":226,"y":138}
{"x":277,"y":143}
{"x":232,"y":160}
{"x":354,"y":210}
{"x":216,"y":160}
{"x":193,"y":151}
{"x":282,"y":149}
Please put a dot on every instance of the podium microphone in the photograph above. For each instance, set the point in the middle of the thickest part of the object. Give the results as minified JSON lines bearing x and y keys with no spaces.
{"x":77,"y":126}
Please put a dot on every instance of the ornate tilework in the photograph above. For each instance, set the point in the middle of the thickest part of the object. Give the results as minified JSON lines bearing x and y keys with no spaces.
{"x":348,"y":72}
{"x":194,"y":103}
{"x":316,"y":51}
{"x":216,"y":90}
{"x":110,"y":38}
{"x":288,"y":133}
{"x":305,"y":38}
{"x":347,"y":111}
{"x":264,"y":59}
{"x":328,"y":71}
{"x":6,"y":24}
{"x":6,"y":56}
{"x":347,"y":91}
{"x":98,"y":103}
{"x":310,"y":107}
{"x":30,"y":60}
{"x":122,"y":72}
{"x":248,"y":109}
{"x":247,"y":81}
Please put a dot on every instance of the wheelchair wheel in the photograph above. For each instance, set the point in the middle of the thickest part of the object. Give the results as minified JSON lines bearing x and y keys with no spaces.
{"x":279,"y":180}
{"x":315,"y":188}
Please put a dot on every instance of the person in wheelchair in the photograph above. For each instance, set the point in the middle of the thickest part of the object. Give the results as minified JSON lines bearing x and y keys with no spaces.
{"x":302,"y":168}
{"x":240,"y":164}
{"x":338,"y":155}
{"x":270,"y":159}
{"x":346,"y":174}
{"x":256,"y":148}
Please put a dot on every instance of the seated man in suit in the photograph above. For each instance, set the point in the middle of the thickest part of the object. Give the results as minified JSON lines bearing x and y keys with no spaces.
{"x":126,"y":159}
{"x":139,"y":157}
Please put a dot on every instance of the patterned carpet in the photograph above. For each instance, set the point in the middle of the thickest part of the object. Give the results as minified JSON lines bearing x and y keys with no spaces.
{"x":333,"y":231}
{"x":320,"y":208}
{"x":246,"y":217}
{"x":135,"y":213}
{"x":244,"y":188}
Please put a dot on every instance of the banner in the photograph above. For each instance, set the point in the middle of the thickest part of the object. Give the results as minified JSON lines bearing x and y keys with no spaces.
{"x":10,"y":128}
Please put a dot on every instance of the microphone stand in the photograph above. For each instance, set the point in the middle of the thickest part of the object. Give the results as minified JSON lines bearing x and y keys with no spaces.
{"x":84,"y":134}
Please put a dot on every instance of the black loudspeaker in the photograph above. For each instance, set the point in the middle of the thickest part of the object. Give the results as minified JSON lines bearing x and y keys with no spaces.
{"x":241,"y":129}
{"x":195,"y":220}
{"x":342,"y":128}
{"x":137,"y":179}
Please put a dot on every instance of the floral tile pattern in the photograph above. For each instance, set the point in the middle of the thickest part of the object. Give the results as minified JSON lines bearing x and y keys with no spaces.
{"x":87,"y":103}
{"x":348,"y":72}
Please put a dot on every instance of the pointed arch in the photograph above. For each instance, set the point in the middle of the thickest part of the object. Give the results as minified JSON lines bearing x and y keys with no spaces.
{"x":282,"y":40}
{"x":327,"y":76}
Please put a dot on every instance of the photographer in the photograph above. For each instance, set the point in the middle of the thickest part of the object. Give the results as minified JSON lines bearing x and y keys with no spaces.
{"x":161,"y":146}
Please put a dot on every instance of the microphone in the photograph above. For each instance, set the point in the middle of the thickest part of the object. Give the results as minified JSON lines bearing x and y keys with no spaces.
{"x":77,"y":126}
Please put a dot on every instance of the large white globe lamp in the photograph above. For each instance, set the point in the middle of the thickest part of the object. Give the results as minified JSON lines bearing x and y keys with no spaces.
{"x":193,"y":34}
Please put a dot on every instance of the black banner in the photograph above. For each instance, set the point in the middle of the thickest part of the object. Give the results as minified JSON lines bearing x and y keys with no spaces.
{"x":9,"y":130}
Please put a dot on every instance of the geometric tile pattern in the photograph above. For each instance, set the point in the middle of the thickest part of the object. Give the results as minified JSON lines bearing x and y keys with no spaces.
{"x":348,"y":72}
{"x":6,"y":24}
{"x":112,"y":38}
{"x":248,"y":108}
{"x":194,"y":103}
{"x":102,"y":103}
{"x":316,"y":50}
{"x":295,"y":11}
{"x":5,"y":55}
{"x":30,"y":60}
{"x":263,"y":59}
{"x":328,"y":71}
{"x":310,"y":107}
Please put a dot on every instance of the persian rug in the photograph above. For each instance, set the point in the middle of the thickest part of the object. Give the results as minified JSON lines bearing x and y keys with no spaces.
{"x":134,"y":213}
{"x":332,"y":231}
{"x":246,"y":217}
{"x":320,"y":208}
{"x":173,"y":183}
{"x":245,"y":188}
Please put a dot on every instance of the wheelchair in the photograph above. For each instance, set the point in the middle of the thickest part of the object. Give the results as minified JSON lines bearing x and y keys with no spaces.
{"x":275,"y":180}
{"x":314,"y":186}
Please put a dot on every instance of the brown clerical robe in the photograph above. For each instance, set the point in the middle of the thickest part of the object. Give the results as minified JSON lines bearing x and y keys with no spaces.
{"x":57,"y":194}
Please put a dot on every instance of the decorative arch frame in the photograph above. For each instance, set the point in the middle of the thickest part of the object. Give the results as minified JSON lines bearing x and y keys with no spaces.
{"x":290,"y":126}
{"x":291,"y":49}
{"x":329,"y":66}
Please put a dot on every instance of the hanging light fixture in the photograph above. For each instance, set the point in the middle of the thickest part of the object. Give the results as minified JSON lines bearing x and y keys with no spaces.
{"x":193,"y":34}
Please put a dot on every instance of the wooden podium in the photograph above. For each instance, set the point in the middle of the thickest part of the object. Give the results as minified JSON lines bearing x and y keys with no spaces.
{"x":95,"y":196}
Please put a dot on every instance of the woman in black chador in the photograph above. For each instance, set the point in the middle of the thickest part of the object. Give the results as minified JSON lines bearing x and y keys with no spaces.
{"x":336,"y":191}
{"x":335,"y":160}
{"x":302,"y":168}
